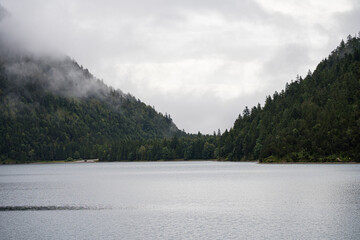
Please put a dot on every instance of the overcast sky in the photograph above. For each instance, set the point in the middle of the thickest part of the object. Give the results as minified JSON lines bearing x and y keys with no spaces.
{"x":201,"y":61}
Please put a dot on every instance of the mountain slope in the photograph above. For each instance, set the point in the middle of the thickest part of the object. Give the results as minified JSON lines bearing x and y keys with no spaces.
{"x":313,"y":119}
{"x":52,"y":108}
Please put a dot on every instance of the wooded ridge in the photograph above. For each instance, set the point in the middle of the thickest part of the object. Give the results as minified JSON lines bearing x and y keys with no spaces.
{"x":54,"y":109}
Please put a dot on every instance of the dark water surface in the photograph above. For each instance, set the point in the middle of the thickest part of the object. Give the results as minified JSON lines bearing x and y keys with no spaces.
{"x":179,"y":200}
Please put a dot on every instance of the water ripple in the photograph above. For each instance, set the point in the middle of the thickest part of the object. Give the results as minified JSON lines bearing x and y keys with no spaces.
{"x":47,"y":208}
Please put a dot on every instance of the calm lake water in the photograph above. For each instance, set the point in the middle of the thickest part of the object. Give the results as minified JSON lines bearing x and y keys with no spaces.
{"x":179,"y":200}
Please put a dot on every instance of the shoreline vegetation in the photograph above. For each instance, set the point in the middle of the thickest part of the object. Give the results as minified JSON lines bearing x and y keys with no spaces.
{"x":279,"y":161}
{"x":52,"y":161}
{"x":294,"y":158}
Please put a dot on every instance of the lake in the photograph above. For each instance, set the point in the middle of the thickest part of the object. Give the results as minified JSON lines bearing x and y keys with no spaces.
{"x":180,"y":200}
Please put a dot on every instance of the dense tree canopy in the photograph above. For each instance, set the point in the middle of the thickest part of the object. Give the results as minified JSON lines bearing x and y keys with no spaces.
{"x":313,"y":119}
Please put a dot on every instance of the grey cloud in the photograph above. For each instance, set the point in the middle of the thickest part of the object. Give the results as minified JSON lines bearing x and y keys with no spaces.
{"x":287,"y":58}
{"x":3,"y":12}
{"x":206,"y":112}
{"x":163,"y":8}
{"x":350,"y":20}
{"x":137,"y":28}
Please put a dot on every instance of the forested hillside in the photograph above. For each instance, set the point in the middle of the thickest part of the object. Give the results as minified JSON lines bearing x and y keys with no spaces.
{"x":314,"y":119}
{"x":52,"y":109}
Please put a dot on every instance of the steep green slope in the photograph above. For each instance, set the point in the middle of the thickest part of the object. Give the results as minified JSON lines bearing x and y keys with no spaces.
{"x":52,"y":109}
{"x":313,"y":119}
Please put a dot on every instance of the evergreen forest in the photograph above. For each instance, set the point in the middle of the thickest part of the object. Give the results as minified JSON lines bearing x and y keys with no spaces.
{"x":315,"y":119}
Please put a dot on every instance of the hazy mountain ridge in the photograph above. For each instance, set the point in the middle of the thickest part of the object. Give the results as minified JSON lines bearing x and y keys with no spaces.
{"x":313,"y":119}
{"x":53,"y":108}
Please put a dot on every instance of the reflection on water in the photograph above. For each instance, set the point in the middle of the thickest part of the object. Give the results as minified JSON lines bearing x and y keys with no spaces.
{"x":179,"y":200}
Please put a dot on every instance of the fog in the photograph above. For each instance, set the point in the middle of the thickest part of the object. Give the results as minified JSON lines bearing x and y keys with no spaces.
{"x":200,"y":61}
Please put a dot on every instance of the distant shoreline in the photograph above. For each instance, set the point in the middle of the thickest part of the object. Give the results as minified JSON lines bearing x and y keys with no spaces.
{"x":175,"y":160}
{"x":65,"y":161}
{"x":308,"y":162}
